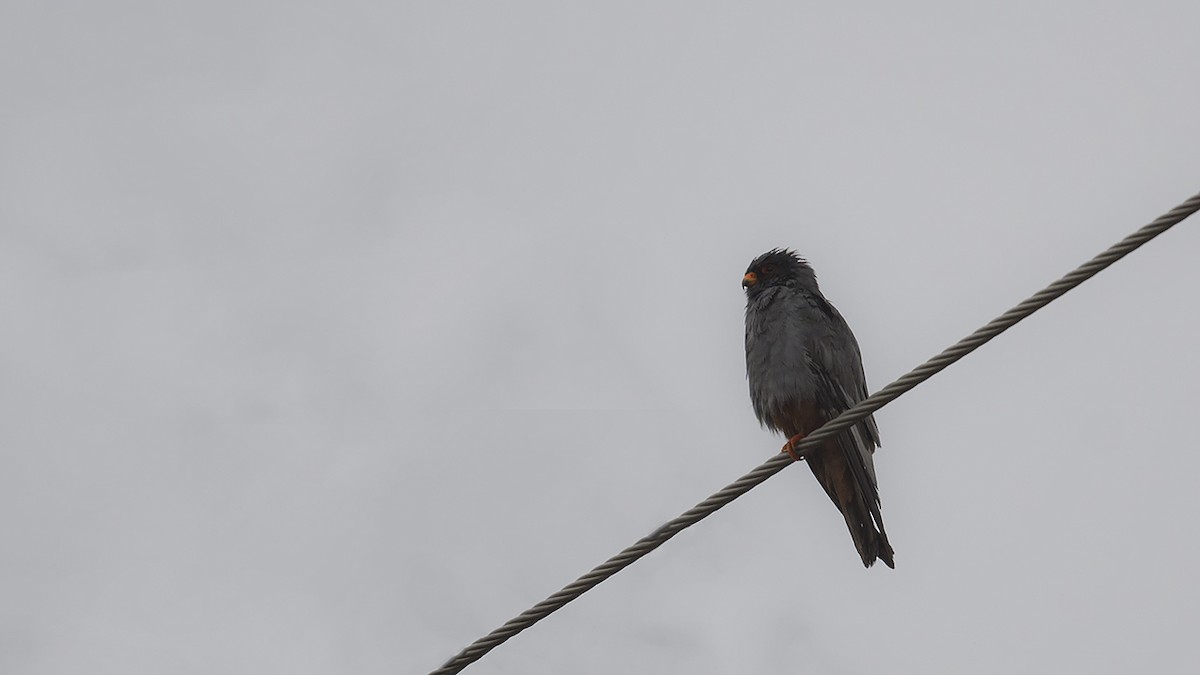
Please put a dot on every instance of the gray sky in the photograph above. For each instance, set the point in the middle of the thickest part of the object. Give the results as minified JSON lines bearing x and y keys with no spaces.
{"x":337,"y":335}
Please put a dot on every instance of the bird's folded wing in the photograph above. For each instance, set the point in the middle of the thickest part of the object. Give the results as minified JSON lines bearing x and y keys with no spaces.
{"x":858,"y":442}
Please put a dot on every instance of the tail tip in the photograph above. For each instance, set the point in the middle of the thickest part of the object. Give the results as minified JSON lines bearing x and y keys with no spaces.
{"x":882,"y":552}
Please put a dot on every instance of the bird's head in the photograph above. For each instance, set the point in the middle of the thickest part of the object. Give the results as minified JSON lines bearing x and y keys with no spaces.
{"x":778,"y":267}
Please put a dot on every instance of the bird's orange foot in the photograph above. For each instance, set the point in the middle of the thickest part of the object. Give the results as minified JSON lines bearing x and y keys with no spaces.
{"x":790,"y":446}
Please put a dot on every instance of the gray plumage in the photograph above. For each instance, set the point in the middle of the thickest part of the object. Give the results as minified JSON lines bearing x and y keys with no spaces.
{"x":805,"y":368}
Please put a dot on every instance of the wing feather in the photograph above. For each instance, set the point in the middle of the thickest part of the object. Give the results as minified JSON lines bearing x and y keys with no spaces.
{"x":835,"y":363}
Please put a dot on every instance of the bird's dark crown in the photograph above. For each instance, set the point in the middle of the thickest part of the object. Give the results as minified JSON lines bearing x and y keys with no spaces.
{"x":778,"y":267}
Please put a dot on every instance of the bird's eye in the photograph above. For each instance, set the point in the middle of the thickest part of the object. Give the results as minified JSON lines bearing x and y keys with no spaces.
{"x":768,"y":269}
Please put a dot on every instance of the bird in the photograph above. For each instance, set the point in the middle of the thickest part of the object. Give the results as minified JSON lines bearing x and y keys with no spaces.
{"x":804,"y":368}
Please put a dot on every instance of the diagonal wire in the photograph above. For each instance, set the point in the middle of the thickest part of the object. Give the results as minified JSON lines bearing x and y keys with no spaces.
{"x":874,"y":402}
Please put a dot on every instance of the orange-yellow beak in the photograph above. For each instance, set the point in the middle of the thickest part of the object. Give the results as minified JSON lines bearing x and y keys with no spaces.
{"x":750,"y":279}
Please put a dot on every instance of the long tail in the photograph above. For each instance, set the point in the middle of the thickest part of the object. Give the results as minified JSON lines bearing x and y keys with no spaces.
{"x":833,"y":470}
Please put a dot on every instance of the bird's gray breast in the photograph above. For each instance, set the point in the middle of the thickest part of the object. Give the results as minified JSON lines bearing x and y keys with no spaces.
{"x":780,"y":324}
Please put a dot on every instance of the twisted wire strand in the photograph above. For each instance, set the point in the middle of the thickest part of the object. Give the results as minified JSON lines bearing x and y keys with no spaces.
{"x":869,"y":405}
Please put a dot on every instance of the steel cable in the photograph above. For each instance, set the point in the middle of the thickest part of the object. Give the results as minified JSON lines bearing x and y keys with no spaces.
{"x":874,"y":402}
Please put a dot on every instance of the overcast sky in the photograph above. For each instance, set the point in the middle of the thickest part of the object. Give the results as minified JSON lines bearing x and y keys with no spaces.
{"x":337,"y":334}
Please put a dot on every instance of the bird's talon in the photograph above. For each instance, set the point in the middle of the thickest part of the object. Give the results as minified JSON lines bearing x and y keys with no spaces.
{"x":790,"y":446}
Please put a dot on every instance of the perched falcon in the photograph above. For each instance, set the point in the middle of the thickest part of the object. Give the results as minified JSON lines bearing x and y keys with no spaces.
{"x":804,"y":369}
